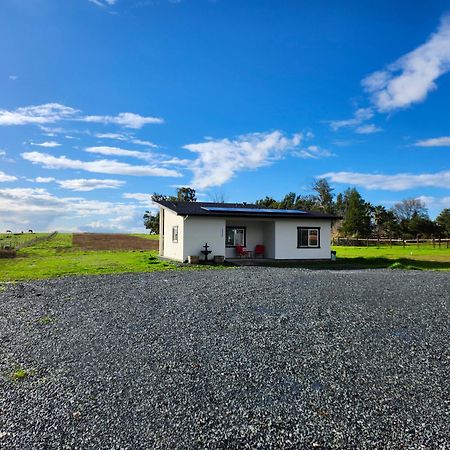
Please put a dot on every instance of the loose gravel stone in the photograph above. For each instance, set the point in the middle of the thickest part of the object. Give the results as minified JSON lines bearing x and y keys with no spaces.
{"x":247,"y":358}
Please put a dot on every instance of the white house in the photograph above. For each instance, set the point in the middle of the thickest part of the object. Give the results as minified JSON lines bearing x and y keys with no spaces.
{"x":282,"y":234}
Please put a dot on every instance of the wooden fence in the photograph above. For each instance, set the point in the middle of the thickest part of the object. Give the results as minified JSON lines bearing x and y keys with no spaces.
{"x":380,"y":242}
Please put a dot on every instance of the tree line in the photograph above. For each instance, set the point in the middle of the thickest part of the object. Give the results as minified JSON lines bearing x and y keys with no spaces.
{"x":406,"y":219}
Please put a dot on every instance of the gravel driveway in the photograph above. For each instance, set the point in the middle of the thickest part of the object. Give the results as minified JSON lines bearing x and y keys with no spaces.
{"x":246,"y":358}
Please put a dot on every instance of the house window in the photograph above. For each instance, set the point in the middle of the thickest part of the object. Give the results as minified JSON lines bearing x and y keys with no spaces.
{"x":175,"y":233}
{"x":235,"y":236}
{"x":308,"y":237}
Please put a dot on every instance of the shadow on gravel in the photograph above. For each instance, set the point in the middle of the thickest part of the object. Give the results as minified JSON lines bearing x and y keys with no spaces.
{"x":361,"y":263}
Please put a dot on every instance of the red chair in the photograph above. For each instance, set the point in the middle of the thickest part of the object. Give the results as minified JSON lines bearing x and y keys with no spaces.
{"x":241,"y":251}
{"x":259,"y":251}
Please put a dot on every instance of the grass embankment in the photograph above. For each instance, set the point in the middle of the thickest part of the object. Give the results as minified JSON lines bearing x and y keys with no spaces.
{"x":57,"y":257}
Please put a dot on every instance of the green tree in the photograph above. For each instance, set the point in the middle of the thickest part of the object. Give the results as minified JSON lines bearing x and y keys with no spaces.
{"x":357,"y":216}
{"x":324,"y":195}
{"x":186,"y":194}
{"x":267,"y":202}
{"x":151,"y":222}
{"x":443,"y":221}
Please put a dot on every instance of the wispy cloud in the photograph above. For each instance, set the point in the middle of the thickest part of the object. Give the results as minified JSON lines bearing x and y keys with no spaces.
{"x":410,"y":79}
{"x":13,"y":77}
{"x":4,"y":178}
{"x":127,"y":120}
{"x":44,"y":179}
{"x":54,"y":112}
{"x":104,"y":3}
{"x":435,"y":202}
{"x":312,"y":152}
{"x":99,"y":166}
{"x":115,"y":151}
{"x":369,"y":128}
{"x":42,"y":114}
{"x":443,"y":141}
{"x":47,"y":144}
{"x":396,"y":182}
{"x":360,"y":116}
{"x":143,"y":199}
{"x":89,"y":184}
{"x":219,"y":160}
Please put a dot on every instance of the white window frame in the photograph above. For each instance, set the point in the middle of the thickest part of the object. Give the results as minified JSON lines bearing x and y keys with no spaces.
{"x":244,"y":229}
{"x":175,"y":234}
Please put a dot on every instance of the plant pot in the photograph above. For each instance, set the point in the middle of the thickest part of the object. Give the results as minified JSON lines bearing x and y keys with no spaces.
{"x":193,"y":259}
{"x":219,"y":259}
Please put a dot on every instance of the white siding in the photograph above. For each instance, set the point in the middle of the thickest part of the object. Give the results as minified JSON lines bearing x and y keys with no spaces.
{"x":172,"y":250}
{"x":201,"y":230}
{"x":286,"y":239}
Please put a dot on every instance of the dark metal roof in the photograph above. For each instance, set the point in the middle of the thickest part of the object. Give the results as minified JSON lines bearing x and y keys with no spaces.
{"x":239,"y":210}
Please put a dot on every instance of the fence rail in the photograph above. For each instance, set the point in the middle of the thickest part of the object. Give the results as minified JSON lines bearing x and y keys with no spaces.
{"x":378,"y":242}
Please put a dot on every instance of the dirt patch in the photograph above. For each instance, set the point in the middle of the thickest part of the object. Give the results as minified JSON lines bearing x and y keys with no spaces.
{"x":100,"y":241}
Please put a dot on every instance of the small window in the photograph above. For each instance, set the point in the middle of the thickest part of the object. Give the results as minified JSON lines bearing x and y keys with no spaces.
{"x":175,"y":233}
{"x":235,"y":236}
{"x":308,"y":237}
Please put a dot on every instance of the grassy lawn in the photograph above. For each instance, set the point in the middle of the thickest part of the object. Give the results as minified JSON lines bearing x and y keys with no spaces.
{"x":57,"y":257}
{"x":409,"y":257}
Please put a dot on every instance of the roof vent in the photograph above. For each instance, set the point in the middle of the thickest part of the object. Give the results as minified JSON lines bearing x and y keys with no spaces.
{"x":244,"y":203}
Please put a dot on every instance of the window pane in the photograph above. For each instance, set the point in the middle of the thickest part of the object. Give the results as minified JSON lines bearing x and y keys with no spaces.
{"x":238,"y":237}
{"x":229,"y":237}
{"x":175,"y":233}
{"x":313,"y":238}
{"x":303,"y":238}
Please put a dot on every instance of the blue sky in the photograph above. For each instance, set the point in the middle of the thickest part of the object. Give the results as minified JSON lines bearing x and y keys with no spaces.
{"x":103,"y":102}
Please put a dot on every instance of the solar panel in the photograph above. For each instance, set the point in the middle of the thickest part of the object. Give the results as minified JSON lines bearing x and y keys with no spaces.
{"x":254,"y":210}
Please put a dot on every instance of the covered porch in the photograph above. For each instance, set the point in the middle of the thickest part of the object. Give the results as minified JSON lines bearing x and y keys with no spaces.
{"x":256,"y":236}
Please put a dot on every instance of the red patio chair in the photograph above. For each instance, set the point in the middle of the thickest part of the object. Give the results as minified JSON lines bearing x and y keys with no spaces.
{"x":259,"y":251}
{"x":241,"y":251}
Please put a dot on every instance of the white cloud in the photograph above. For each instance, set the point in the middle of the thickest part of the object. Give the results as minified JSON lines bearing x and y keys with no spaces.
{"x":434,"y":142}
{"x":435,"y":202}
{"x":143,"y":199}
{"x":145,"y":143}
{"x":115,"y":151}
{"x":118,"y":136}
{"x":219,"y":160}
{"x":396,"y":182}
{"x":84,"y":185}
{"x":4,"y":178}
{"x":47,"y":144}
{"x":368,"y":129}
{"x":413,"y":76}
{"x":44,"y":179}
{"x":127,"y":120}
{"x":312,"y":152}
{"x":98,"y":166}
{"x":104,"y":3}
{"x":360,"y":116}
{"x":48,"y":113}
{"x":41,"y":210}
{"x":13,"y":77}
{"x":54,"y":112}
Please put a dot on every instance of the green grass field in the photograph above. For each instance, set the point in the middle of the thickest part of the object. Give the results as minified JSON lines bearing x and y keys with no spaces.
{"x":14,"y":240}
{"x":57,"y":257}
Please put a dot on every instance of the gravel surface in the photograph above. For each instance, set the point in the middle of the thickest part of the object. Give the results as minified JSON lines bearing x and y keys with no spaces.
{"x":247,"y":358}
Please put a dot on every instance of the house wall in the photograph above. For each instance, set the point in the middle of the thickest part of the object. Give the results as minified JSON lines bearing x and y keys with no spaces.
{"x":286,"y":239}
{"x":269,"y":239}
{"x":172,"y":250}
{"x":199,"y":230}
{"x":254,"y":234}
